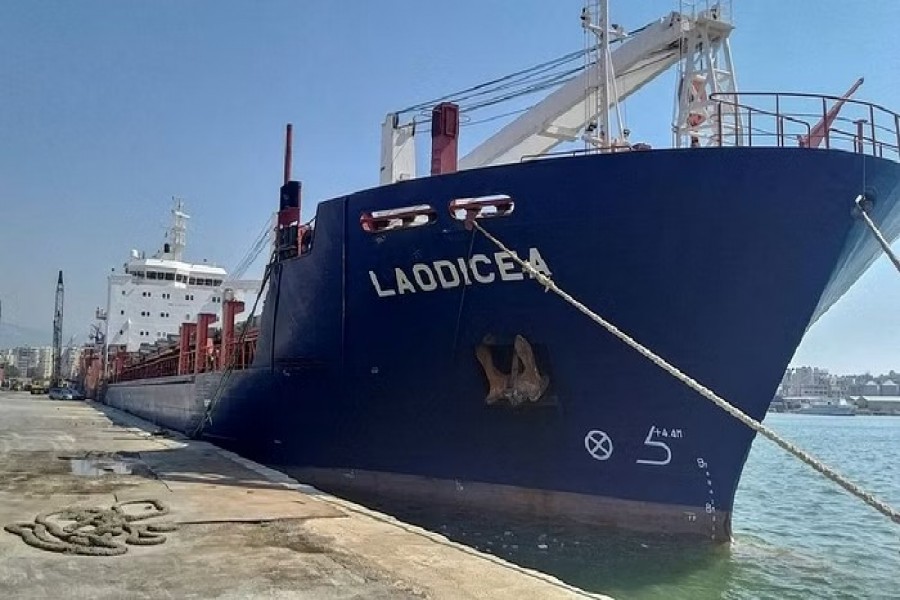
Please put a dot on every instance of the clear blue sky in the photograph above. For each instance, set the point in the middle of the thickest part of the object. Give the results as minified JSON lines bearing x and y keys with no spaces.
{"x":109,"y":108}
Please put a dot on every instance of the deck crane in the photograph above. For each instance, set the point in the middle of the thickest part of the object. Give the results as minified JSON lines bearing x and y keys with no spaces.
{"x":697,"y":42}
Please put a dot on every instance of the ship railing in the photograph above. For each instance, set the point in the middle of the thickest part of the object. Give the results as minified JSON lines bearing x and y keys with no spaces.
{"x":166,"y":363}
{"x":718,"y":10}
{"x":615,"y":147}
{"x":795,"y":119}
{"x":243,"y":351}
{"x":159,"y":366}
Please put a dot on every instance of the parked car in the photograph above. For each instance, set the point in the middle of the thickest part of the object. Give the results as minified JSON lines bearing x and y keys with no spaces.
{"x":61,"y":394}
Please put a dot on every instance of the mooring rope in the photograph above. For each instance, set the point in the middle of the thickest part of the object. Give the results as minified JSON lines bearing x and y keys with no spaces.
{"x":95,"y":531}
{"x":864,"y":213}
{"x":804,"y":456}
{"x":229,"y":368}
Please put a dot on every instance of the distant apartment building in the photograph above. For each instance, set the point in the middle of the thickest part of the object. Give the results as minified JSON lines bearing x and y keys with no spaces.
{"x":809,"y":382}
{"x":70,"y":359}
{"x":806,"y":382}
{"x":43,"y":368}
{"x":22,"y":359}
{"x":7,"y":356}
{"x":30,"y":361}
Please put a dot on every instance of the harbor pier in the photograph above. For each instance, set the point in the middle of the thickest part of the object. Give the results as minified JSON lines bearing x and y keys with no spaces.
{"x":230,"y":528}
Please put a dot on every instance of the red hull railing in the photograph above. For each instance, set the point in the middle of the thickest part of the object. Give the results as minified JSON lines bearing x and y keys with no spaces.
{"x":197,"y":350}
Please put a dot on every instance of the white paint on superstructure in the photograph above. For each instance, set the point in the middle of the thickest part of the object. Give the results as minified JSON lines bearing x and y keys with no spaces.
{"x":154,"y":295}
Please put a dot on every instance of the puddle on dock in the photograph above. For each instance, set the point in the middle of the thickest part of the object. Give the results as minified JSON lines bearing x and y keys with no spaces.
{"x":98,"y":465}
{"x":92,"y":467}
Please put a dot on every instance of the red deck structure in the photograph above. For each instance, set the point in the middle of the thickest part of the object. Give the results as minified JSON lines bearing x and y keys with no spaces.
{"x":217,"y":350}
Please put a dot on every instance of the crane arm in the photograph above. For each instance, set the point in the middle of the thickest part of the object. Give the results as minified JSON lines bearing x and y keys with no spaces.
{"x":561,"y":116}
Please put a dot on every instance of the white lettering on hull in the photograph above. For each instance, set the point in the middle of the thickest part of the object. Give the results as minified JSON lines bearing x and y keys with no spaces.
{"x":447,"y":274}
{"x":381,"y":293}
{"x":473,"y":262}
{"x":404,"y":285}
{"x":424,"y":277}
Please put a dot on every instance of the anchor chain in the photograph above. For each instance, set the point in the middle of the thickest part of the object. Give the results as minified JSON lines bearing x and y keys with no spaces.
{"x":808,"y":459}
{"x":864,"y":213}
{"x":95,"y":531}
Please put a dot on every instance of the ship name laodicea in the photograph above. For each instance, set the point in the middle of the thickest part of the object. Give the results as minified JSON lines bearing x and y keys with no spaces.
{"x":446,"y":274}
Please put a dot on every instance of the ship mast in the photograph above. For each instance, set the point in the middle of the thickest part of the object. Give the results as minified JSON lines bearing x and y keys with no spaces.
{"x":178,"y":231}
{"x":605,"y":92}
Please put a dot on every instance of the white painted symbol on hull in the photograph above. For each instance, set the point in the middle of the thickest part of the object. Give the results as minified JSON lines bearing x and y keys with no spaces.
{"x":649,"y":441}
{"x":598,"y":444}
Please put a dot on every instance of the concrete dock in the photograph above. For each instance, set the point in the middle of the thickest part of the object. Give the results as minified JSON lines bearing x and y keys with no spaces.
{"x":244,"y":531}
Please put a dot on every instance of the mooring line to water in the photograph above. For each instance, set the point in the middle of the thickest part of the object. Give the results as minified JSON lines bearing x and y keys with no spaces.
{"x":864,"y":213}
{"x":747,"y":420}
{"x":229,"y":368}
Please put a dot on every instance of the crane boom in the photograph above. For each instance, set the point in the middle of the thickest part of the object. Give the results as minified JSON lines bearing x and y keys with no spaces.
{"x":560,"y":117}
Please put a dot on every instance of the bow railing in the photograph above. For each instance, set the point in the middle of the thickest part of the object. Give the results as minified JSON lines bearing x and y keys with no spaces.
{"x":809,"y":120}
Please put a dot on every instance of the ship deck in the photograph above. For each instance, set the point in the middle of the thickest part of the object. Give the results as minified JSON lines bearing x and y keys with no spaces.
{"x":243,"y":530}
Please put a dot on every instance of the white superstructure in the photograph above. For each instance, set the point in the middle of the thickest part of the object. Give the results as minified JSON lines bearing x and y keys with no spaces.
{"x":154,"y":295}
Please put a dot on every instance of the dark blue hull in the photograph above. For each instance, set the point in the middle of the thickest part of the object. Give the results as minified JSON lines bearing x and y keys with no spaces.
{"x":718,"y":260}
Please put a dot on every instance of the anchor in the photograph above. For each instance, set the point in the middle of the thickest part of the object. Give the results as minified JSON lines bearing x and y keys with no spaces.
{"x":524,"y":383}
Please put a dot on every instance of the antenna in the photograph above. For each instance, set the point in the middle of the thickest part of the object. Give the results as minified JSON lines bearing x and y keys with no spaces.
{"x":177,"y":233}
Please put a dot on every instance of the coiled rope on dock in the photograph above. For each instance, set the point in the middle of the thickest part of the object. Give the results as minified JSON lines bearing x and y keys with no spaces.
{"x":95,"y":531}
{"x":707,"y":393}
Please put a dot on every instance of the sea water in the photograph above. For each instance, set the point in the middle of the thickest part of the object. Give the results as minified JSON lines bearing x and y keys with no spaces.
{"x":796,"y":535}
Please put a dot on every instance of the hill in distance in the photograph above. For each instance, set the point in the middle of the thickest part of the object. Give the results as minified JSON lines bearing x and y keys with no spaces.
{"x":12,"y":336}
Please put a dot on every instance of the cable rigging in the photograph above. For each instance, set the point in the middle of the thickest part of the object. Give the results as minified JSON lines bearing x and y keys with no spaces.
{"x":524,"y":82}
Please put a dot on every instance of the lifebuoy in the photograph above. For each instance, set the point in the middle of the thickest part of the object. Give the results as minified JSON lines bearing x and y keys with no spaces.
{"x":697,"y":94}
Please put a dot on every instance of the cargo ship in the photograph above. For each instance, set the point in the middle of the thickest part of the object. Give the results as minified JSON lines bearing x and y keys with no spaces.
{"x":400,"y":354}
